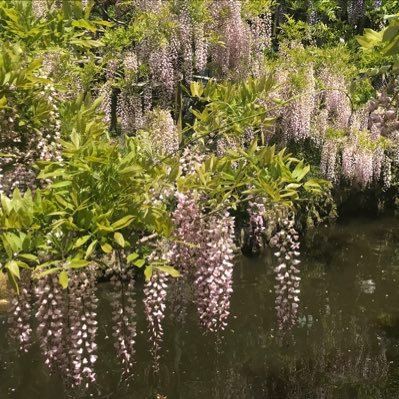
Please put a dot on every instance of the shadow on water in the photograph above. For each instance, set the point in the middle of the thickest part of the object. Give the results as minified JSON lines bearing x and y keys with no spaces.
{"x":345,"y":343}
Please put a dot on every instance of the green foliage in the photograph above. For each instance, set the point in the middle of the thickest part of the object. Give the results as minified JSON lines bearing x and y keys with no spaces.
{"x":230,"y":107}
{"x":102,"y":196}
{"x":21,"y":89}
{"x":68,"y":26}
{"x":253,"y":8}
{"x":100,"y":199}
{"x":259,"y":172}
{"x":384,"y":43}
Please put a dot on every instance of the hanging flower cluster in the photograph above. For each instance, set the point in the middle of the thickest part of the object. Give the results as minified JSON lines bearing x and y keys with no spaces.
{"x":356,"y":10}
{"x":186,"y":42}
{"x":67,"y":324}
{"x":328,"y":163}
{"x":81,"y":350}
{"x":123,"y":306}
{"x":50,"y":316}
{"x":162,"y":131}
{"x":155,"y":292}
{"x":360,"y":164}
{"x":186,"y":50}
{"x":20,"y":314}
{"x":214,"y":274}
{"x":261,"y":31}
{"x":356,"y":146}
{"x":287,"y":289}
{"x":162,"y":70}
{"x":299,"y":118}
{"x":39,"y":8}
{"x":200,"y":47}
{"x":335,"y":98}
{"x":129,"y":109}
{"x":191,"y":158}
{"x":26,"y":147}
{"x":183,"y":253}
{"x":383,"y":116}
{"x":233,"y":57}
{"x":256,"y":210}
{"x":204,"y":256}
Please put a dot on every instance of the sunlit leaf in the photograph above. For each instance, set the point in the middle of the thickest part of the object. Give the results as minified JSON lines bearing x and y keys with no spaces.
{"x":63,"y":279}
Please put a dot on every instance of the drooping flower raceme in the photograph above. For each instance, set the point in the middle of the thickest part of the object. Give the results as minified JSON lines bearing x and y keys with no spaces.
{"x":297,"y":117}
{"x":204,"y":256}
{"x":337,"y":102}
{"x":130,"y":111}
{"x":233,"y":57}
{"x":286,"y":241}
{"x":186,"y":43}
{"x":256,"y":211}
{"x":328,"y":163}
{"x":200,"y":47}
{"x":123,"y":306}
{"x":155,"y":305}
{"x":20,"y":314}
{"x":67,"y":324}
{"x":79,"y":334}
{"x":183,"y":252}
{"x":50,"y":317}
{"x":214,"y":274}
{"x":162,"y":131}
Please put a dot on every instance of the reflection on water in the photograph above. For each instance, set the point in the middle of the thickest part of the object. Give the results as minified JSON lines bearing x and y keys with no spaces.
{"x":344,"y":345}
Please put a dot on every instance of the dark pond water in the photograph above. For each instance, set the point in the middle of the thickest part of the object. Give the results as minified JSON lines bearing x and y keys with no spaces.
{"x":345,"y":344}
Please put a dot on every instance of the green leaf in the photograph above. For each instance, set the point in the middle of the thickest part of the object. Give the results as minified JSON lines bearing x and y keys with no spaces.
{"x":80,"y":241}
{"x":103,"y":228}
{"x":121,"y":223}
{"x":131,"y":257}
{"x":13,"y":282}
{"x":55,"y":173}
{"x":61,"y":184}
{"x":106,"y":248}
{"x":392,"y":48}
{"x":148,"y":273}
{"x":77,"y":263}
{"x":63,"y":279}
{"x":47,"y":272}
{"x":389,"y":33}
{"x":75,"y":138}
{"x":13,"y":268}
{"x":31,"y":257}
{"x":119,"y":239}
{"x":169,"y":270}
{"x":139,"y":263}
{"x":300,"y":171}
{"x":90,"y":248}
{"x":3,"y":102}
{"x":82,"y":23}
{"x":61,"y":201}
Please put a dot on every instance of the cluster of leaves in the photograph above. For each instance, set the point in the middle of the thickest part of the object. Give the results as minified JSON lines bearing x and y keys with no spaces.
{"x":21,"y":89}
{"x":106,"y":194}
{"x":385,"y":41}
{"x":101,"y":197}
{"x":230,"y":107}
{"x":260,"y":172}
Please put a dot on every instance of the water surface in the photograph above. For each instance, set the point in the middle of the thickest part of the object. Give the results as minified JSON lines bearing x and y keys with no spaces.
{"x":345,"y":344}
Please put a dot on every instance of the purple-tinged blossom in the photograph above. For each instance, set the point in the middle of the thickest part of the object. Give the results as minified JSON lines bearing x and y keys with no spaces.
{"x":123,"y":306}
{"x":20,"y":313}
{"x":287,"y":288}
{"x":214,"y":274}
{"x":155,"y":292}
